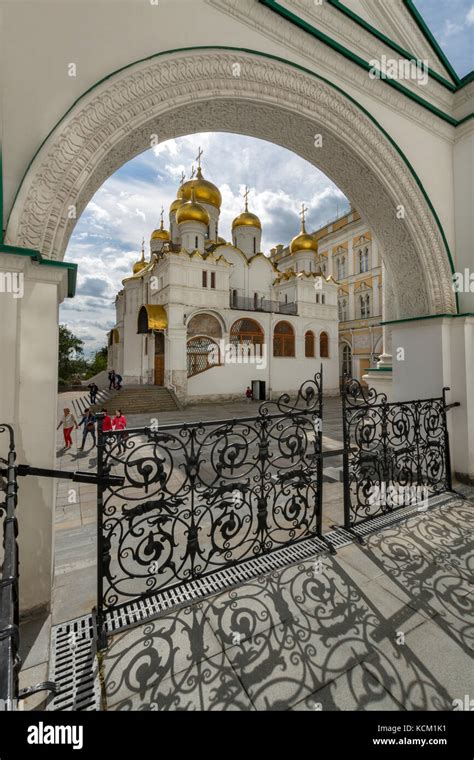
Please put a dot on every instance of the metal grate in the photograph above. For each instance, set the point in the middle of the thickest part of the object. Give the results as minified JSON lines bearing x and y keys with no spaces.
{"x":74,"y":666}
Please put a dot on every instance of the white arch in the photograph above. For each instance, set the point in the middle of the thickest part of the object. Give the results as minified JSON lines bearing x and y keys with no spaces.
{"x":191,"y":91}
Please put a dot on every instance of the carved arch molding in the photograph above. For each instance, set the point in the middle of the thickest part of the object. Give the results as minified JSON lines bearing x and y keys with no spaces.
{"x":229,"y":91}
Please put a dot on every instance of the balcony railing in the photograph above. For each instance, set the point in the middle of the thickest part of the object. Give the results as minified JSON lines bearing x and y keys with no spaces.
{"x":262,"y":304}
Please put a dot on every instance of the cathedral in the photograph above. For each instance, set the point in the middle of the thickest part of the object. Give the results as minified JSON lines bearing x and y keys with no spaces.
{"x":208,"y":318}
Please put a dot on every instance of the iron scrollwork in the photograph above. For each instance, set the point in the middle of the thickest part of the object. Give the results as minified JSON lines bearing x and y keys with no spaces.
{"x":397,"y":453}
{"x":201,"y":497}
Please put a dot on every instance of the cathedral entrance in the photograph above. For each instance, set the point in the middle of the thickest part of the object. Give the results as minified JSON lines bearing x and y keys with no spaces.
{"x":159,"y":358}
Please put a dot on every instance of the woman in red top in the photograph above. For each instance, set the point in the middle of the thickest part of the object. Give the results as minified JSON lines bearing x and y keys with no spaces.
{"x":106,"y":422}
{"x":120,"y":423}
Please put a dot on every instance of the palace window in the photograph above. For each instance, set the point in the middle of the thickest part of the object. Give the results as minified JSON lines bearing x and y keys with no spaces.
{"x":341,"y":267}
{"x":309,"y":345}
{"x":317,"y":297}
{"x":323,"y":298}
{"x":247,"y":332}
{"x":213,"y":280}
{"x":364,"y":306}
{"x":324,"y":345}
{"x":283,"y":340}
{"x":196,"y":242}
{"x":346,"y":367}
{"x":255,"y":245}
{"x":202,"y":353}
{"x":204,"y":279}
{"x":364,"y":260}
{"x":342,"y":304}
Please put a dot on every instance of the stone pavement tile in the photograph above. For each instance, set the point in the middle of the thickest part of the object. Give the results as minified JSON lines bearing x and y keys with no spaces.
{"x":240,"y":613}
{"x":34,"y":640}
{"x":427,"y":672}
{"x":30,"y":676}
{"x":210,"y":685}
{"x":74,"y":594}
{"x":356,"y":689}
{"x":139,"y":659}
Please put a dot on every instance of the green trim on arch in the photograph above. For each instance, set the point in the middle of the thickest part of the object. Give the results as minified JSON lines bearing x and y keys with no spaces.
{"x":427,"y":316}
{"x":271,"y":57}
{"x":13,"y":250}
{"x":391,"y":43}
{"x":422,"y":25}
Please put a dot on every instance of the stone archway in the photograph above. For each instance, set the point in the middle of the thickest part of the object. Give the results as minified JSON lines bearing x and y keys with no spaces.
{"x":220,"y":90}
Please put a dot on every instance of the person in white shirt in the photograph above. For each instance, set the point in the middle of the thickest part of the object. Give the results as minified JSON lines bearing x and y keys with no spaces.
{"x":69,"y":423}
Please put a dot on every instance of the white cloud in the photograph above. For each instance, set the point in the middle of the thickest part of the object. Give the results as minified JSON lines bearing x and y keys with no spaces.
{"x":470,"y":16}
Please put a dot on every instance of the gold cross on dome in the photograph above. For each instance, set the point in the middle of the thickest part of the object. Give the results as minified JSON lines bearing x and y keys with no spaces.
{"x":162,"y":214}
{"x":199,"y":155}
{"x":193,"y":171}
{"x":303,"y":213}
{"x":245,"y":196}
{"x":183,"y":177}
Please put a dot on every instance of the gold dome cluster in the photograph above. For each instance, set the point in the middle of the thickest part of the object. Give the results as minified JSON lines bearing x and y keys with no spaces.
{"x":191,"y":211}
{"x":160,"y":233}
{"x":141,"y":263}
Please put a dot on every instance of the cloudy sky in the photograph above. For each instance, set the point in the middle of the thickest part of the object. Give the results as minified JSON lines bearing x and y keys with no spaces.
{"x":107,"y":238}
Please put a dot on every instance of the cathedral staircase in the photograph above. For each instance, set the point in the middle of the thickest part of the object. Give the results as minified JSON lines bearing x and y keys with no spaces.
{"x":140,"y":399}
{"x":132,"y":399}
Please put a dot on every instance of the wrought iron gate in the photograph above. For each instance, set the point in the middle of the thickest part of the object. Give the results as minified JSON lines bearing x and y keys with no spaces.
{"x":395,"y":454}
{"x":205,"y":496}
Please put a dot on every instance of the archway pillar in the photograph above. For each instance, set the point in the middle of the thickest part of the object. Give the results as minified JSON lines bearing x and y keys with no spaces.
{"x":28,"y":401}
{"x":439,"y":352}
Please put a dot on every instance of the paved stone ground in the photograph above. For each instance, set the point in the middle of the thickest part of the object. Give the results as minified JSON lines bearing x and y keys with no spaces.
{"x":388,"y":626}
{"x":313,"y":636}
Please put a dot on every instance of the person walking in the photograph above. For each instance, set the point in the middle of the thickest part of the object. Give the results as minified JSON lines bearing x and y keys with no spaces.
{"x":249,"y":394}
{"x":88,"y":421}
{"x":119,"y":422}
{"x":68,"y":422}
{"x":111,"y":377}
{"x":93,"y":391}
{"x":118,"y":381}
{"x":107,"y":421}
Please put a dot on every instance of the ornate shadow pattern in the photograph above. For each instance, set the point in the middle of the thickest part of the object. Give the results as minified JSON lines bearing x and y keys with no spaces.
{"x":395,"y":452}
{"x":201,"y":497}
{"x":302,"y":638}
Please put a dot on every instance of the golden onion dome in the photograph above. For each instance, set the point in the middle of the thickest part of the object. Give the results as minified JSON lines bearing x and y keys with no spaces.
{"x":303,"y":241}
{"x":176,"y":204}
{"x":141,"y":264}
{"x":247,"y":219}
{"x":191,"y":211}
{"x":205,"y":191}
{"x":160,"y":233}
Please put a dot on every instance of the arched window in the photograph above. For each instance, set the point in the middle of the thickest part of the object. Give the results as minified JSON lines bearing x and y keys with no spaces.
{"x":364,"y":306}
{"x":364,"y":260}
{"x":309,"y":344}
{"x":255,"y":245}
{"x":324,"y":345}
{"x":341,"y":267}
{"x":283,"y":340}
{"x":202,"y":353}
{"x":247,"y":332}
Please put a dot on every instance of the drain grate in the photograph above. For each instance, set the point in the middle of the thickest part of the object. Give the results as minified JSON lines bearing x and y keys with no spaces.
{"x":74,"y":666}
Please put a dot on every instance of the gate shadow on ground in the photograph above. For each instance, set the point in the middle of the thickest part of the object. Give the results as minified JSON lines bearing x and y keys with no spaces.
{"x":360,"y":631}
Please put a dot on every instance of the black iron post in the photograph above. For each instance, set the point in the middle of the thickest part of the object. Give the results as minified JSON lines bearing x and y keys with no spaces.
{"x":101,"y":634}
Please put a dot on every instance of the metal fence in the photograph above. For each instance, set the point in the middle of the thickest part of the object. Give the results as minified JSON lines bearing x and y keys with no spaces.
{"x":203,"y":497}
{"x":395,"y":454}
{"x":10,"y":662}
{"x":262,"y":304}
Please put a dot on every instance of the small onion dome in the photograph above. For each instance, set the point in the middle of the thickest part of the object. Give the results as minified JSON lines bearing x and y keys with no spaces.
{"x":141,"y":264}
{"x":192,"y":212}
{"x":247,"y":219}
{"x":205,"y":191}
{"x":303,"y":241}
{"x":176,"y":204}
{"x":160,"y":233}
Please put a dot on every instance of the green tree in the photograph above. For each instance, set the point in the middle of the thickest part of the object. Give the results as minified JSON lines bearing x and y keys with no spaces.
{"x":98,"y":362}
{"x":71,"y":355}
